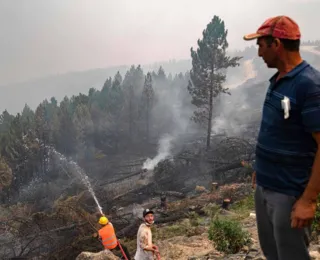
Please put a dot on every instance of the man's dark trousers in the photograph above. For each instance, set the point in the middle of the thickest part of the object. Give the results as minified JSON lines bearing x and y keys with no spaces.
{"x":278,"y":240}
{"x":119,"y":253}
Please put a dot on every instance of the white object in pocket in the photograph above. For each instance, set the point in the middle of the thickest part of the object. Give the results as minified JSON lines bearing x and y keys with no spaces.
{"x":285,"y":103}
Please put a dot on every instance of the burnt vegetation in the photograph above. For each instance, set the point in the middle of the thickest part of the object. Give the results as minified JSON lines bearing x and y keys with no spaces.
{"x":47,"y":213}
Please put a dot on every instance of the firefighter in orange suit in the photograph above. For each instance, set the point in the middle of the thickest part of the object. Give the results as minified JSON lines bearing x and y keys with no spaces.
{"x":109,"y":239}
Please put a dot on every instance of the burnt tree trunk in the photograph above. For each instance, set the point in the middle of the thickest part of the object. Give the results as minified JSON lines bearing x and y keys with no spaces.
{"x":210,"y":117}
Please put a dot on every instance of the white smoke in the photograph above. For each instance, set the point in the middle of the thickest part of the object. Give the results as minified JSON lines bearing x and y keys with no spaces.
{"x":311,"y":49}
{"x":164,"y":151}
{"x":249,"y":73}
{"x":233,"y":112}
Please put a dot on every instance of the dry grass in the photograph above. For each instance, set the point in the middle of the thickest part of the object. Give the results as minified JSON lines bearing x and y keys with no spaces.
{"x":180,"y":228}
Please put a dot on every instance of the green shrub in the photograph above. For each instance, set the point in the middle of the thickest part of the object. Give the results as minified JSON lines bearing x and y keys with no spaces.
{"x":194,"y":219}
{"x":211,"y":209}
{"x":228,"y":235}
{"x":245,"y":205}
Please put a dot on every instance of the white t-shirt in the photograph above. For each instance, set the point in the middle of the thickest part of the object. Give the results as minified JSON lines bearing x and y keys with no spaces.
{"x":144,"y":238}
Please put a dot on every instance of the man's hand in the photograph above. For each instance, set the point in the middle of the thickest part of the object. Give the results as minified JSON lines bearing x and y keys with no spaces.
{"x":303,"y":212}
{"x":304,"y":209}
{"x":95,"y":235}
{"x":156,"y":251}
{"x":253,"y":180}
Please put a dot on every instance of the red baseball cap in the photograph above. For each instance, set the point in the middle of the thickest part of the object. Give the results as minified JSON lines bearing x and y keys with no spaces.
{"x":282,"y":27}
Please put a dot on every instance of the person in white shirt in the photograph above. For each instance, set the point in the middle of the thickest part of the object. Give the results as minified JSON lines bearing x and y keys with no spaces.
{"x":145,"y":249}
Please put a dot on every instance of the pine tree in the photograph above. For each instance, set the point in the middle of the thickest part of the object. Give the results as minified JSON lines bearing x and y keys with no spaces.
{"x":147,"y":101}
{"x":132,"y":84}
{"x":107,"y":84}
{"x":130,"y":106}
{"x":5,"y":174}
{"x":27,"y":119}
{"x":161,"y":74}
{"x":84,"y":127}
{"x":42,"y":132}
{"x":115,"y":96}
{"x":117,"y":80}
{"x":66,"y":137}
{"x":5,"y":121}
{"x":208,"y":73}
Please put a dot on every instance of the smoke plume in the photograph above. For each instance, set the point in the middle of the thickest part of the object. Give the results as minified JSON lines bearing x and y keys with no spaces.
{"x":164,"y":150}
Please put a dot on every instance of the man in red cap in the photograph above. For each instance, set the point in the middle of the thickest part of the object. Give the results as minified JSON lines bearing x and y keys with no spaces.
{"x":287,"y":165}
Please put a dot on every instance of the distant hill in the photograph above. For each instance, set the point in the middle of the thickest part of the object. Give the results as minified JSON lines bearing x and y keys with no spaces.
{"x":15,"y":96}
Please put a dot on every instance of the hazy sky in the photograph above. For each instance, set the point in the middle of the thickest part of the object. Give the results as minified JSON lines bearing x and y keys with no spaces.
{"x":43,"y":37}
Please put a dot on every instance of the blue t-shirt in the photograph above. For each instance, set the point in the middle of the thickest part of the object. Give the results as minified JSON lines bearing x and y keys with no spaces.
{"x":285,"y":148}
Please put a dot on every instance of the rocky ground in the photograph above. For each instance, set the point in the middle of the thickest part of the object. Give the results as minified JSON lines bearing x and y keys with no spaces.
{"x":184,"y":240}
{"x":201,"y":248}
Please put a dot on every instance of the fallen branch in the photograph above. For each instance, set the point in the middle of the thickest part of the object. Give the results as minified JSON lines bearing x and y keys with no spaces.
{"x":175,"y":217}
{"x":228,"y":167}
{"x":130,"y":230}
{"x":120,"y":179}
{"x":171,"y":193}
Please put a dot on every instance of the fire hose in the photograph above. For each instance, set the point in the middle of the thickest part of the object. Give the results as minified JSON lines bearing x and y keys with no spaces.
{"x":121,"y":249}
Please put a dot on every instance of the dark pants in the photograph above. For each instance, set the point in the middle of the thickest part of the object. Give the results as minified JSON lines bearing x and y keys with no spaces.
{"x":119,"y":253}
{"x":278,"y":240}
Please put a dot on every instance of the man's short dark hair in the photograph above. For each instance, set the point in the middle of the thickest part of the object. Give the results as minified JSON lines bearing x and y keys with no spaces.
{"x":289,"y":45}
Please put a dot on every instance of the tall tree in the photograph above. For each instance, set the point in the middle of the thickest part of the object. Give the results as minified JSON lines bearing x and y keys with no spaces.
{"x":42,"y":133}
{"x":103,"y":97}
{"x":66,"y":137}
{"x":115,"y":105}
{"x":147,"y":101}
{"x":5,"y":174}
{"x":161,"y":74}
{"x":130,"y":107}
{"x":115,"y":97}
{"x":208,"y":73}
{"x":117,"y":80}
{"x":132,"y":84}
{"x":27,"y":119}
{"x":84,"y":128}
{"x":5,"y":121}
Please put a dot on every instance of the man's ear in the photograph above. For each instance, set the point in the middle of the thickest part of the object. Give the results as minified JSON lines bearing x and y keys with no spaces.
{"x":277,"y":42}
